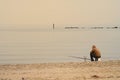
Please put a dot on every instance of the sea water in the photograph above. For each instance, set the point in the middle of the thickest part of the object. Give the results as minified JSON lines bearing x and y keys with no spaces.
{"x":24,"y":45}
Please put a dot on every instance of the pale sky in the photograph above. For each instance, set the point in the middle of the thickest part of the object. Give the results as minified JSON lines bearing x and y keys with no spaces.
{"x":60,"y":12}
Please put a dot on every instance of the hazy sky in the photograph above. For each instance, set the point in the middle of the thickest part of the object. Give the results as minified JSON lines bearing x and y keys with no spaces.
{"x":71,"y":12}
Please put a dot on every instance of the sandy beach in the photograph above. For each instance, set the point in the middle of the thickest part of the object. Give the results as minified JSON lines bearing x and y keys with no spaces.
{"x":104,"y":70}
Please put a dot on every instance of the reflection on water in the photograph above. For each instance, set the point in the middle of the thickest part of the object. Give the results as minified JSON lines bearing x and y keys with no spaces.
{"x":37,"y":45}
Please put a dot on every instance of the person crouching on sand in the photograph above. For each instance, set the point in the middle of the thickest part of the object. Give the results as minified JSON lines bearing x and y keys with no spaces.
{"x":95,"y":54}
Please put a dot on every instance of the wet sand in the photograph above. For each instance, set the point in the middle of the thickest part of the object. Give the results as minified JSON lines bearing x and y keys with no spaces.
{"x":104,"y":70}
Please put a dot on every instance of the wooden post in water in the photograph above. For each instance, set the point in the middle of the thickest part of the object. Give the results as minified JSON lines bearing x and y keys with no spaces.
{"x":53,"y":26}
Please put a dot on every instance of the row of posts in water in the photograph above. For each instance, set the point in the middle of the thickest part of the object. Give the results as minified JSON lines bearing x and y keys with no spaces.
{"x":92,"y":27}
{"x":75,"y":27}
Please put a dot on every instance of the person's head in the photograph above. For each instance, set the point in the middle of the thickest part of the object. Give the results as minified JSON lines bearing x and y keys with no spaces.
{"x":93,"y":46}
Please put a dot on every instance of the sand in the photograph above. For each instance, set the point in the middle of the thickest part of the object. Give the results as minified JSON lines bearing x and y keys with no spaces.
{"x":104,"y":70}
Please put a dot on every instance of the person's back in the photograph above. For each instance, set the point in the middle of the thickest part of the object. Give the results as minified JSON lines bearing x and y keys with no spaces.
{"x":97,"y":52}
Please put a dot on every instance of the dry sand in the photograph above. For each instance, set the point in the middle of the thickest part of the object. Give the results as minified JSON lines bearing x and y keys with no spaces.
{"x":107,"y":70}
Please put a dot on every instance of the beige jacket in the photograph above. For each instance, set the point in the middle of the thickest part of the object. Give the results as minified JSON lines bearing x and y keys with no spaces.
{"x":96,"y":52}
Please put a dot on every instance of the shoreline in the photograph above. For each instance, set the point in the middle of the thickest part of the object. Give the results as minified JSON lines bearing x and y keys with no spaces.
{"x":102,"y":70}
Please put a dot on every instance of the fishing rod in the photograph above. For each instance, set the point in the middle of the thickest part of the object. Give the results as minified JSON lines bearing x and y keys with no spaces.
{"x":84,"y":58}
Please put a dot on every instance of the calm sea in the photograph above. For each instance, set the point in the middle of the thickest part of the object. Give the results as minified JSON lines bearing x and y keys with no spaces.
{"x":24,"y":45}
